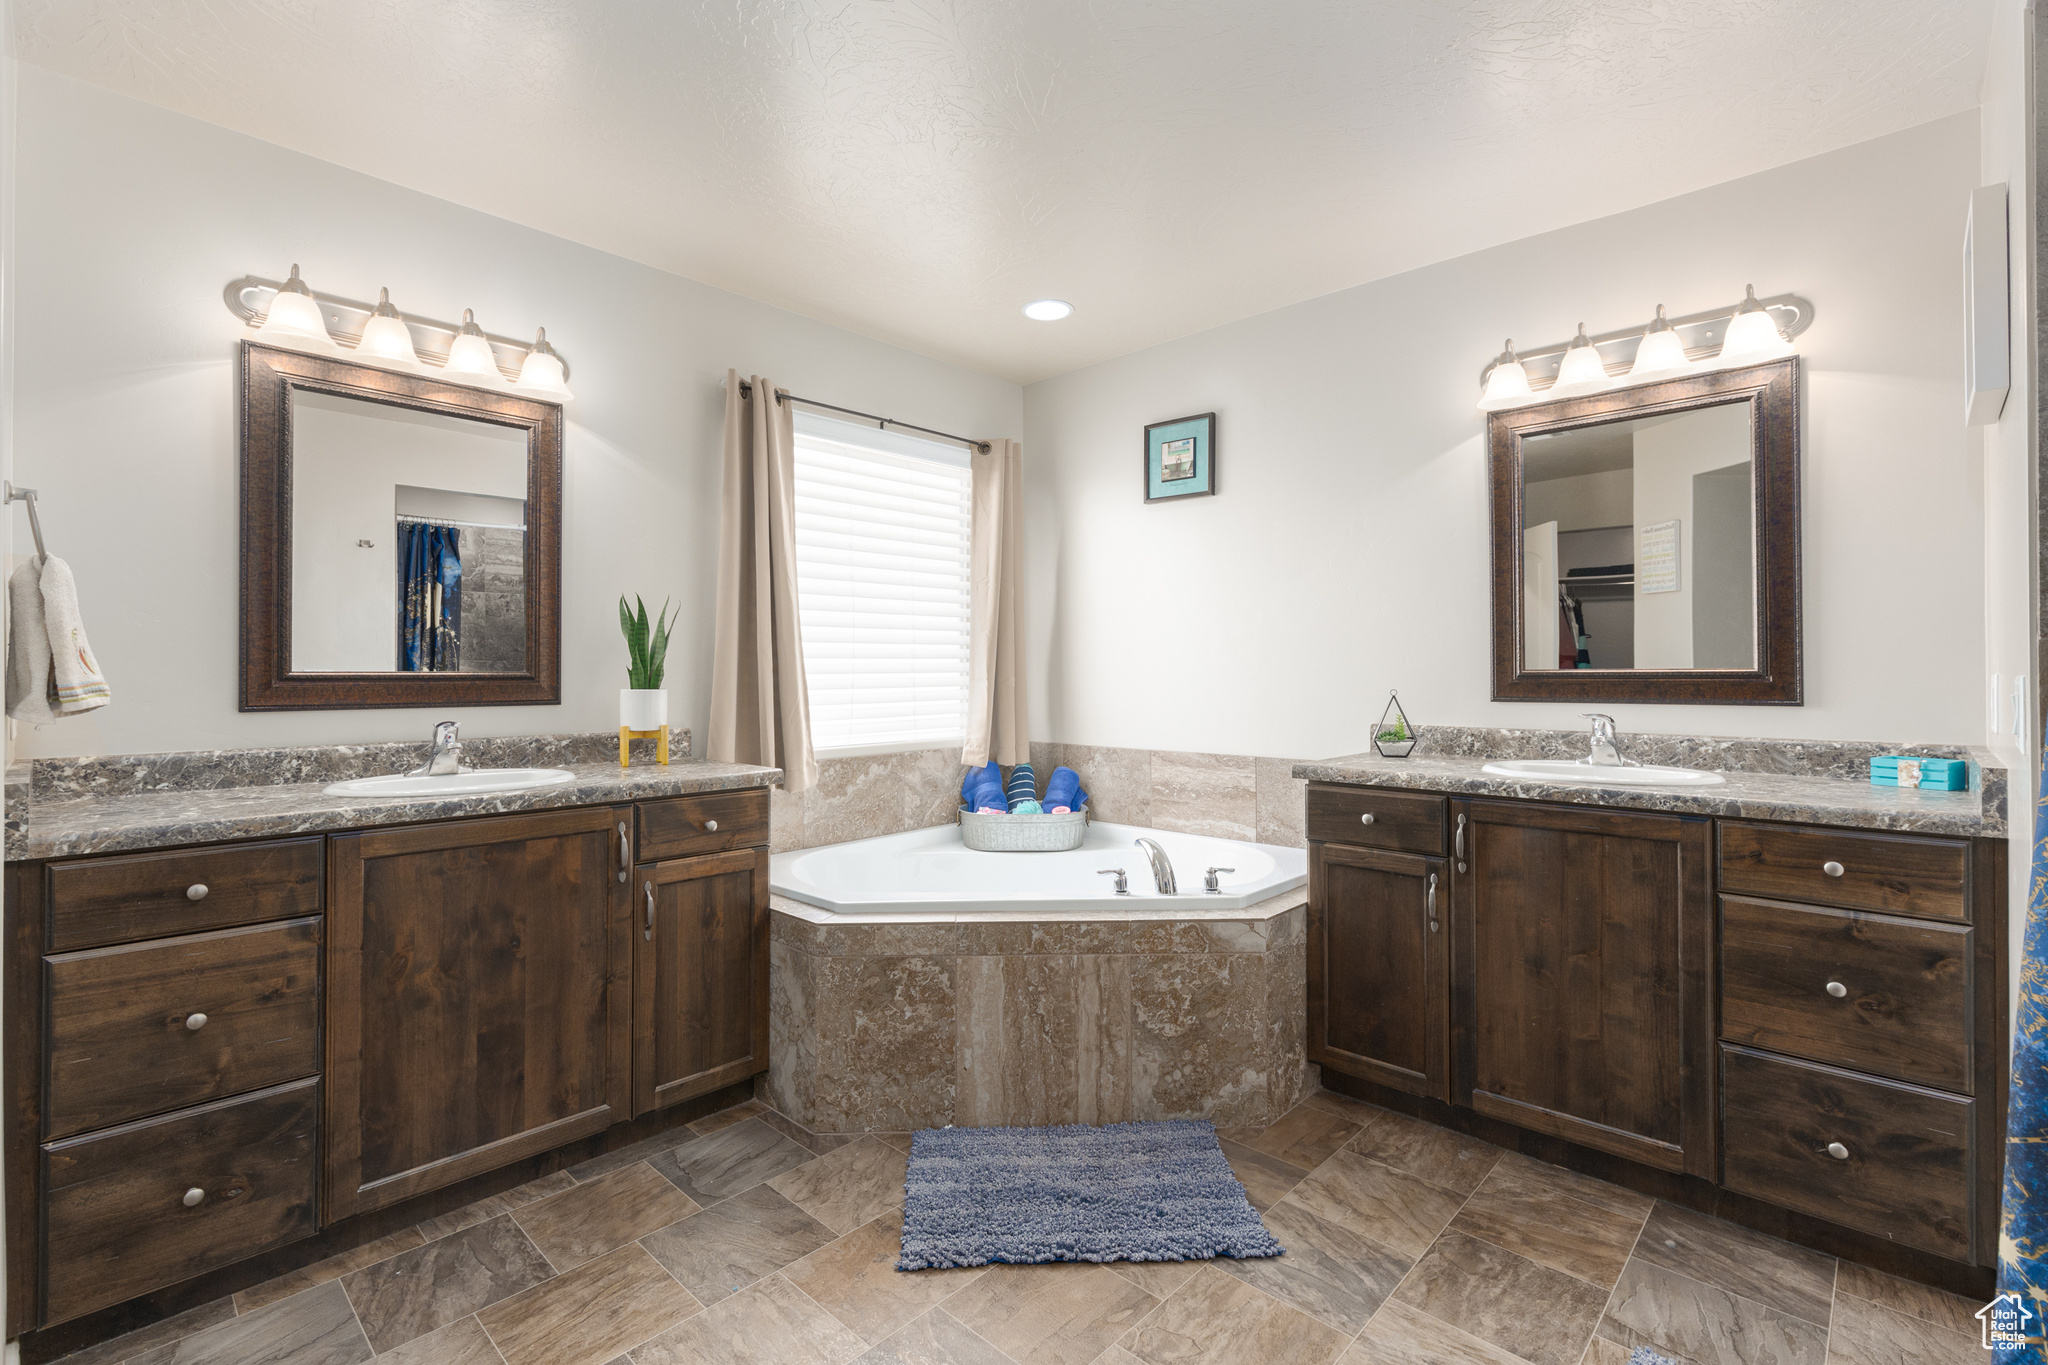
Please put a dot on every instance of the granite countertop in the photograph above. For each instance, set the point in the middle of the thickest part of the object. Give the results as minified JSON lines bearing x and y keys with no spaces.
{"x":1823,"y":795}
{"x":113,"y":810}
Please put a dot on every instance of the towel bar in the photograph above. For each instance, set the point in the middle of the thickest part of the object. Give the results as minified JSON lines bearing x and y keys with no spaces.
{"x":35,"y":524}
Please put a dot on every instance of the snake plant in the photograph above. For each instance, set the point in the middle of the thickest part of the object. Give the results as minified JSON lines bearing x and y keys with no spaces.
{"x":646,"y":649}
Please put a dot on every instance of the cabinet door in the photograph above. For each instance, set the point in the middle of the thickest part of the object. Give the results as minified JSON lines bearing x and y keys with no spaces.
{"x":1378,"y":963}
{"x":700,"y":975}
{"x":1585,"y":940}
{"x":478,"y":998}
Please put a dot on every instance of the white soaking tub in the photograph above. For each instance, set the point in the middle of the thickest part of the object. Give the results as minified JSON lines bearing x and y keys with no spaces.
{"x":930,"y":872}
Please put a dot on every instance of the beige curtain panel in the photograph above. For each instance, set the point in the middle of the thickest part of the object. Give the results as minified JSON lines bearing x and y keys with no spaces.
{"x":760,"y":708}
{"x":995,"y":683}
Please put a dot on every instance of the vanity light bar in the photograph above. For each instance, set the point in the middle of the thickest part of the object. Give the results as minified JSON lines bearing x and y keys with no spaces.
{"x":249,"y":299}
{"x":1701,"y":333}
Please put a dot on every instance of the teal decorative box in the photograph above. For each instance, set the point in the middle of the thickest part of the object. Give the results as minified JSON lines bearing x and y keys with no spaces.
{"x":1936,"y":774}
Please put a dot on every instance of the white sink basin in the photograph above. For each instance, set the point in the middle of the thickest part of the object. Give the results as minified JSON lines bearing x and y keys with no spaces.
{"x":454,"y":784}
{"x":1600,"y":775}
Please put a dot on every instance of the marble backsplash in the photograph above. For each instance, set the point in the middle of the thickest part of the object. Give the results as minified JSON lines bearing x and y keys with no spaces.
{"x":62,"y":779}
{"x":1843,"y":760}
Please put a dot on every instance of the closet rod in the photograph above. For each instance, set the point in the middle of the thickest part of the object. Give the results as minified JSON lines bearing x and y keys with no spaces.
{"x":418,"y":520}
{"x":785,"y":396}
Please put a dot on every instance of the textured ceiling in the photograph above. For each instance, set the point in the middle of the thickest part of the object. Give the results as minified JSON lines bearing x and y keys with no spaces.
{"x":918,"y":169}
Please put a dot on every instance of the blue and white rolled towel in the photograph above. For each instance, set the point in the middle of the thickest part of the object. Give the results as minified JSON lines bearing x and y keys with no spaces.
{"x":1023,"y":791}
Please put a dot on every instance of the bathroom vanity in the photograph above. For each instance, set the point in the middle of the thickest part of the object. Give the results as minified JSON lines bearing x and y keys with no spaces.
{"x":1790,"y":989}
{"x":220,"y":1047}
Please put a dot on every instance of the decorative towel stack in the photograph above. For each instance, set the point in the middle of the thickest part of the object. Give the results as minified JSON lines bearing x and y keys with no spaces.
{"x":51,"y":670}
{"x":984,"y":791}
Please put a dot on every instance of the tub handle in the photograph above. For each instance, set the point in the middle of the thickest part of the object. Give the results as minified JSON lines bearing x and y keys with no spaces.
{"x":1123,"y":885}
{"x":1211,"y":883}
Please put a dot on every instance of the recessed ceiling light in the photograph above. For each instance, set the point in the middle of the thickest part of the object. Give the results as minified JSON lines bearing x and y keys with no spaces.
{"x":1047,"y":310}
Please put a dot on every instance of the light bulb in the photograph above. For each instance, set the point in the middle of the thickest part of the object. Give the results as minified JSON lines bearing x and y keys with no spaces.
{"x":542,"y":375}
{"x":295,"y":318}
{"x":1507,"y":383}
{"x":471,"y":355}
{"x":1752,"y":334}
{"x":1582,"y":370}
{"x":386,"y":339}
{"x":1660,"y":354}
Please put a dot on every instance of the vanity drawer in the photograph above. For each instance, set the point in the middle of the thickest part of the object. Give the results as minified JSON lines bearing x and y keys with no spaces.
{"x":711,"y":822}
{"x":1903,"y":1169}
{"x":150,"y":895}
{"x":116,"y":1223}
{"x":1904,"y":1007}
{"x":121,"y":1041}
{"x":1407,"y":822}
{"x":1890,"y":872}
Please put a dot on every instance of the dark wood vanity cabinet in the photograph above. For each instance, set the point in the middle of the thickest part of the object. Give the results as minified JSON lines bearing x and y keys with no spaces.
{"x":478,"y":998}
{"x":214,"y":1052}
{"x":1813,"y":1018}
{"x":700,"y":975}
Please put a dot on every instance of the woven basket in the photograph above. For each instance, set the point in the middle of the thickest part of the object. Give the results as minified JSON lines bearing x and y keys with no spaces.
{"x":1023,"y":833}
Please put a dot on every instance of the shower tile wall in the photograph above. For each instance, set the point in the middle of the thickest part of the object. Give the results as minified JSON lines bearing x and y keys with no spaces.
{"x":493,"y":599}
{"x":1230,"y":796}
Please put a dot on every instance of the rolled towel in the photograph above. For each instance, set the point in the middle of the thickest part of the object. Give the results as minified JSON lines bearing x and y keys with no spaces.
{"x":982,"y":790}
{"x":1063,"y":791}
{"x":1023,"y":791}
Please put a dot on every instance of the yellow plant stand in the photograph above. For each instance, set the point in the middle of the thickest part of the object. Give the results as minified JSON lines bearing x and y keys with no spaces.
{"x":660,"y":738}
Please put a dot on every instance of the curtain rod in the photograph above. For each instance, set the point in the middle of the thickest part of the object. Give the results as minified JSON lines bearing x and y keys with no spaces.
{"x":784,"y":395}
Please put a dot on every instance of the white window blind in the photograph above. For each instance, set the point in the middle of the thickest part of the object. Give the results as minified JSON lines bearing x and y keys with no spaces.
{"x":883,"y":525}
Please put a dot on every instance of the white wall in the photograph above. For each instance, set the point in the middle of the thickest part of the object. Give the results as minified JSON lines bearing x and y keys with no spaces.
{"x":348,"y":459}
{"x":1668,"y":454}
{"x":136,"y":218}
{"x":2009,"y":455}
{"x":1347,"y":550}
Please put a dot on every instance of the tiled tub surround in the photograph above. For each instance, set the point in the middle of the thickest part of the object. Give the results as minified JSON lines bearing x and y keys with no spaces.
{"x":142,"y":801}
{"x":1017,"y":1019}
{"x":1805,"y":782}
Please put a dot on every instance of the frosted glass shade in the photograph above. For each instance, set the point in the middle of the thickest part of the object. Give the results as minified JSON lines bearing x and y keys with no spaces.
{"x":1660,"y":354}
{"x":388,"y":341}
{"x":1752,"y":336}
{"x":1582,"y":370}
{"x":1507,"y":386}
{"x":471,"y":356}
{"x":295,"y":318}
{"x":541,"y":375}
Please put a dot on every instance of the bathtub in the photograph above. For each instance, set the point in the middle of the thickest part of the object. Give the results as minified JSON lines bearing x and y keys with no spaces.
{"x":929,"y":872}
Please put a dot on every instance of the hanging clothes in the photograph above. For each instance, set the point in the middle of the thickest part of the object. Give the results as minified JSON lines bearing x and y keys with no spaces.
{"x":430,"y":605}
{"x":2022,"y":1246}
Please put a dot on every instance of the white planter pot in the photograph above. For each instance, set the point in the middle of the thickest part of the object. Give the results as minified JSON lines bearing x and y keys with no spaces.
{"x":643,"y":708}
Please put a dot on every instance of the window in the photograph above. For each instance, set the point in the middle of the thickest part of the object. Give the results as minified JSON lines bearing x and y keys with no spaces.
{"x":882,"y":534}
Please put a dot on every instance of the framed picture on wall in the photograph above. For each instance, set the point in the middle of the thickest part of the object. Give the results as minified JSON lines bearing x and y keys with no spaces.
{"x":1180,"y":458}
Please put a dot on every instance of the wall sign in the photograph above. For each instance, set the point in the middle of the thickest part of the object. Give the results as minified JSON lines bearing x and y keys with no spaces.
{"x":1657,"y":558}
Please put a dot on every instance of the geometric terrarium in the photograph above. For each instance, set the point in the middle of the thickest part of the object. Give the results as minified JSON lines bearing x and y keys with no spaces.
{"x":1394,"y":737}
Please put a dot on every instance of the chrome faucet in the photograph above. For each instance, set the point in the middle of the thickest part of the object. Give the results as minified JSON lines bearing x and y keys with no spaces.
{"x":446,"y":759}
{"x":1162,"y":867}
{"x":1606,"y":750}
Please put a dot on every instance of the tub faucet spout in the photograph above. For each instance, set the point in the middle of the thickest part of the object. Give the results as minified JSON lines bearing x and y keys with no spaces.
{"x":1162,"y":867}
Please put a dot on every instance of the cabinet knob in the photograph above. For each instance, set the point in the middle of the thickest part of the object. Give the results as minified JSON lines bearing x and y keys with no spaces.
{"x":1365,"y":819}
{"x":195,"y":1021}
{"x":196,"y":891}
{"x":1832,"y":869}
{"x":194,"y":1197}
{"x":1837,"y":989}
{"x":1838,"y":1151}
{"x":711,"y":827}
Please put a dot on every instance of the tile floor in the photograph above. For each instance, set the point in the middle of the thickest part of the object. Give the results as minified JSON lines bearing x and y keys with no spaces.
{"x":744,"y":1238}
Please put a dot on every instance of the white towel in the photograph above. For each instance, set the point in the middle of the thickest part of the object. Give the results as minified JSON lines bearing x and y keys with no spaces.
{"x":51,"y":670}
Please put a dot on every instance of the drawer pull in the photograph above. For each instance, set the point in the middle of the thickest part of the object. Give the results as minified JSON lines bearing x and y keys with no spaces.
{"x":648,"y":932}
{"x":1365,"y":819}
{"x":194,"y":1197}
{"x":1838,"y":1151}
{"x":625,"y":853}
{"x":1429,"y":902}
{"x":1833,"y":869}
{"x":196,"y":891}
{"x":711,"y":827}
{"x":195,"y":1022}
{"x":1837,"y":989}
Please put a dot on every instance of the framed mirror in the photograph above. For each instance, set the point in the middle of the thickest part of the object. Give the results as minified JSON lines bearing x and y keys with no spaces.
{"x":401,"y":539}
{"x":1646,"y":543}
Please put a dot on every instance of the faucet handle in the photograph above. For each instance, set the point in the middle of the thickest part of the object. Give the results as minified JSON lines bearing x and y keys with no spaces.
{"x":1211,"y":884}
{"x":1123,"y":885}
{"x":446,"y":731}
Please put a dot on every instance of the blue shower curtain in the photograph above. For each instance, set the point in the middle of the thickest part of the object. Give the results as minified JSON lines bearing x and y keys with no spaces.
{"x":2023,"y":1240}
{"x":430,"y":609}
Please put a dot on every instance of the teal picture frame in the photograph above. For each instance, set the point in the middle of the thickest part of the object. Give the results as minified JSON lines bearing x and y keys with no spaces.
{"x":1180,"y":458}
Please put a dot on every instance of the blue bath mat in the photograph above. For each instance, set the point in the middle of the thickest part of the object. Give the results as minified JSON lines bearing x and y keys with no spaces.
{"x":1124,"y":1192}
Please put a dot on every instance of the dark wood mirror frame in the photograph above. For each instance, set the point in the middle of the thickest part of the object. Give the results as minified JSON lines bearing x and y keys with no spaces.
{"x":1772,"y":392}
{"x":268,"y":377}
